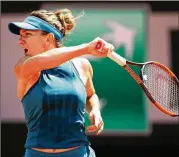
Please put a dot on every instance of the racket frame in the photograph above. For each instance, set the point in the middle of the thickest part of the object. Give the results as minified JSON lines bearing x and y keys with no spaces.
{"x":139,"y":79}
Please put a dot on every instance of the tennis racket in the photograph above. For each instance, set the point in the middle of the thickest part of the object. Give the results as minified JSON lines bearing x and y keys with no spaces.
{"x":158,"y":82}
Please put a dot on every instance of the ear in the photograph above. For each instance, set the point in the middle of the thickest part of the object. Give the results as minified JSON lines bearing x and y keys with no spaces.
{"x":50,"y":38}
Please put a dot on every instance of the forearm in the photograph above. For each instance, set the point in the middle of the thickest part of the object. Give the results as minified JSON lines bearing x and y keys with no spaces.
{"x":53,"y":58}
{"x":58,"y":56}
{"x":92,"y":104}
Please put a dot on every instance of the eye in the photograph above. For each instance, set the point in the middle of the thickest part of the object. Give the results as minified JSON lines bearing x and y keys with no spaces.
{"x":28,"y":33}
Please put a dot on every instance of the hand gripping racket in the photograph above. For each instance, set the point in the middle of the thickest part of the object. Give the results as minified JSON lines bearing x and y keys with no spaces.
{"x":158,"y":82}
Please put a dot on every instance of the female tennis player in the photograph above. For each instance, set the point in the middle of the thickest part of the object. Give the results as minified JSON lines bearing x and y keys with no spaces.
{"x":55,"y":86}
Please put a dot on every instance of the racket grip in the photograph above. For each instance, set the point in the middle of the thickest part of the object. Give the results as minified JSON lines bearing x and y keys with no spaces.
{"x":117,"y":58}
{"x":113,"y":56}
{"x":98,"y":45}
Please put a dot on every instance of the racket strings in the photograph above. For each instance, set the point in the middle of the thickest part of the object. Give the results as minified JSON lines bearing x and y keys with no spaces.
{"x":163,"y":88}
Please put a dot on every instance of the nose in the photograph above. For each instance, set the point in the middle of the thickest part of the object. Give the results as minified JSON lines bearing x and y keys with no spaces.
{"x":21,"y":41}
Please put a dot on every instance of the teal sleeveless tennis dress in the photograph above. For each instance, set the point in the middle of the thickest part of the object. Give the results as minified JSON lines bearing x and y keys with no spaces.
{"x":54,"y":109}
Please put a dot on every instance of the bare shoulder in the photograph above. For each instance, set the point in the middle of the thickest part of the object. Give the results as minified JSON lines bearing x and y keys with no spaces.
{"x":22,"y":60}
{"x":84,"y":64}
{"x":18,"y":65}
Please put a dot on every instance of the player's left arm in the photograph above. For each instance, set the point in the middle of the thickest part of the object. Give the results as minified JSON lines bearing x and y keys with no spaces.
{"x":93,"y":104}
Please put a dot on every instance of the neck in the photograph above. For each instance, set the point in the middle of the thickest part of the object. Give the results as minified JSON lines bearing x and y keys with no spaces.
{"x":51,"y":46}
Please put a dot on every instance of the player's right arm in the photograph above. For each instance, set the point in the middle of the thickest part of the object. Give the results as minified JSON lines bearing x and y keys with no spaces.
{"x":28,"y":66}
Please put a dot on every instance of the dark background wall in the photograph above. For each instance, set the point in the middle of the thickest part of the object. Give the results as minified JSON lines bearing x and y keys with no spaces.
{"x":33,"y":5}
{"x":162,"y":142}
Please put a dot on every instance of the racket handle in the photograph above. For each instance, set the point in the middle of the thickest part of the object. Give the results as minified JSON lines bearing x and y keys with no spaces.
{"x":113,"y":56}
{"x":117,"y":58}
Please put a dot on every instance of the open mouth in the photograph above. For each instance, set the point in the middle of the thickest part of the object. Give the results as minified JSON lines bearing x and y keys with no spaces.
{"x":25,"y":51}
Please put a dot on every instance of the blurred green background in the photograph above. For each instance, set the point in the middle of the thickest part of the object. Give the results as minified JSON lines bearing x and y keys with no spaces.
{"x":122,"y":101}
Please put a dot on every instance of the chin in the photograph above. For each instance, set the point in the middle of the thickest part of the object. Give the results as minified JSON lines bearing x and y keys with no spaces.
{"x":27,"y":54}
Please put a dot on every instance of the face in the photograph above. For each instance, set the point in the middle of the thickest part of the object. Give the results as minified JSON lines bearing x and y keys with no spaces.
{"x":33,"y":42}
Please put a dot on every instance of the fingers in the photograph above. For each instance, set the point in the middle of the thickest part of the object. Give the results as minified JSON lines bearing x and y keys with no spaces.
{"x":96,"y":121}
{"x":100,"y":48}
{"x":96,"y":128}
{"x":91,"y":128}
{"x":106,"y":49}
{"x":100,"y":128}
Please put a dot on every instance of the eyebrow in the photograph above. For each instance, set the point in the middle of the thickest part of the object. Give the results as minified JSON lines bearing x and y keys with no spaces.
{"x":25,"y":31}
{"x":28,"y":31}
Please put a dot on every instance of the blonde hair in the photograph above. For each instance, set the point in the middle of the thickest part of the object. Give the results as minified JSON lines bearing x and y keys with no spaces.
{"x":62,"y":19}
